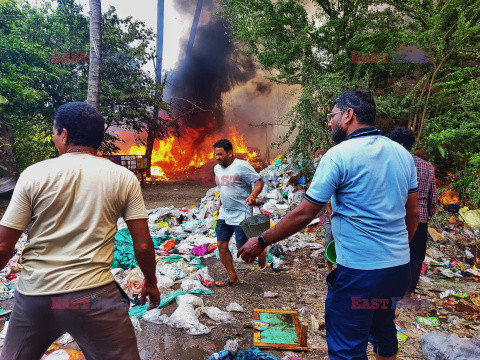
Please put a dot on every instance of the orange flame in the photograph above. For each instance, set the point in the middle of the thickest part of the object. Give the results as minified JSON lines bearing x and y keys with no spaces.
{"x":173,"y":157}
{"x":449,"y":197}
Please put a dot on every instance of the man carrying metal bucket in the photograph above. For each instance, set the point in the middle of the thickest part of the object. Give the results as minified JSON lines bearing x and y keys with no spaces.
{"x":234,"y":177}
{"x":373,"y":185}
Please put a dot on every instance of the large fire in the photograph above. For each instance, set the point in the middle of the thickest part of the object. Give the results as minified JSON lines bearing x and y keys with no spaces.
{"x":174,"y":157}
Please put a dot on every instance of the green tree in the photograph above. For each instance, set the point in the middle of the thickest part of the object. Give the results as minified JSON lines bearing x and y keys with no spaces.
{"x":431,"y":97}
{"x":41,"y":68}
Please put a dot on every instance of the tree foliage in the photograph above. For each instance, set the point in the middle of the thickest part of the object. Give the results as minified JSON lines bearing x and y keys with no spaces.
{"x":35,"y":87}
{"x":310,"y":43}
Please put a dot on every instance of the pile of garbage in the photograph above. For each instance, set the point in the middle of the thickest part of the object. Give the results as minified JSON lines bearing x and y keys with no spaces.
{"x":182,"y":237}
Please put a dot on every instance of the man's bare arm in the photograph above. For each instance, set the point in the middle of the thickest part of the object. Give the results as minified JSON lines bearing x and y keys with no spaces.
{"x":145,"y":255}
{"x":413,"y":214}
{"x":257,"y":189}
{"x":8,"y":239}
{"x":292,"y":223}
{"x":143,"y":247}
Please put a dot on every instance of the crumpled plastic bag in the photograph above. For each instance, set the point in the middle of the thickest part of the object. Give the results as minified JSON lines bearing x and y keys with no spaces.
{"x":190,"y":285}
{"x":184,"y":316}
{"x":450,"y":347}
{"x":164,"y":282}
{"x":172,"y":271}
{"x":186,"y":267}
{"x":155,"y":316}
{"x":168,"y":245}
{"x":235,"y":307}
{"x":204,"y":277}
{"x":215,"y":314}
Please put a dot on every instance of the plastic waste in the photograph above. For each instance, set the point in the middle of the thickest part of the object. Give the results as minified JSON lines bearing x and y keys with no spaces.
{"x":204,"y":277}
{"x":184,"y":316}
{"x":235,"y":307}
{"x":191,"y":285}
{"x":276,"y":263}
{"x":231,"y":345}
{"x":168,"y":245}
{"x":155,"y":316}
{"x":270,"y":294}
{"x":164,"y":282}
{"x":253,"y":353}
{"x":65,"y":354}
{"x":449,"y":347}
{"x":215,"y":314}
{"x":471,"y":217}
{"x":190,"y":225}
{"x":446,"y":293}
{"x":172,"y":271}
{"x":277,"y":250}
{"x":426,"y":280}
{"x":136,"y":323}
{"x":200,"y":250}
{"x":428,"y":321}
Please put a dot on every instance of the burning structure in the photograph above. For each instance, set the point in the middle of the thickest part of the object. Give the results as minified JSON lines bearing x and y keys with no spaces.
{"x":210,"y":67}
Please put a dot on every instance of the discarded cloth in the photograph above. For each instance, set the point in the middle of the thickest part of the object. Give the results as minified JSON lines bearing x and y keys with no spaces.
{"x":253,"y":353}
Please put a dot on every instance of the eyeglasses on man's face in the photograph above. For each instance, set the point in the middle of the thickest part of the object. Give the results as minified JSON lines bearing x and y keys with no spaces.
{"x":331,"y":115}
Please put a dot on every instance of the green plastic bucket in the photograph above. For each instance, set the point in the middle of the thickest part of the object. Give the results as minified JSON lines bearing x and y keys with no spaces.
{"x":255,"y":225}
{"x":330,"y":253}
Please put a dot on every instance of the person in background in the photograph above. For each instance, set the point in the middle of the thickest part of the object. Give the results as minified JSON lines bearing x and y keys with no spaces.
{"x":427,"y":203}
{"x":73,"y":203}
{"x":372,"y":184}
{"x":234,"y":177}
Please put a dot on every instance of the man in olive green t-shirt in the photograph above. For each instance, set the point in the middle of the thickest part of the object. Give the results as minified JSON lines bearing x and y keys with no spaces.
{"x":73,"y":203}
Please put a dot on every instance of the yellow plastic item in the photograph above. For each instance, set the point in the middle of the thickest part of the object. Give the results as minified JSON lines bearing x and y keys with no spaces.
{"x":192,"y":207}
{"x":163,"y":224}
{"x":278,"y":157}
{"x":471,"y":217}
{"x":217,"y":194}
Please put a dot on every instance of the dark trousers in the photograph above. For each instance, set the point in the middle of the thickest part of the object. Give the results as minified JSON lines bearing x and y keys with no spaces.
{"x":96,"y":318}
{"x":418,"y":248}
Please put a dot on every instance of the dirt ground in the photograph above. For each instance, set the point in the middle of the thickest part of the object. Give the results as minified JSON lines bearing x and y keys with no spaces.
{"x":298,"y":284}
{"x":178,"y":194}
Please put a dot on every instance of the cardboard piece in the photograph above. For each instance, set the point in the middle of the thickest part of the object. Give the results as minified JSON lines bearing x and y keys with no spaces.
{"x":285,"y":331}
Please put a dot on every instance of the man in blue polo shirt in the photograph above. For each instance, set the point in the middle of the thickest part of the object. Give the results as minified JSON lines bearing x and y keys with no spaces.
{"x":373,"y":185}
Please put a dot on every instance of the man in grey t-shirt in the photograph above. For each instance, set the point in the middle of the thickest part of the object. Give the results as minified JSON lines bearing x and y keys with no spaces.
{"x":234,"y":177}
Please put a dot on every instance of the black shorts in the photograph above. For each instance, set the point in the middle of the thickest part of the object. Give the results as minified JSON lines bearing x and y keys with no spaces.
{"x":225,"y":232}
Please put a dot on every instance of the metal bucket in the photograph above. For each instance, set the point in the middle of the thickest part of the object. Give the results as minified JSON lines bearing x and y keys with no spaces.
{"x":255,"y":225}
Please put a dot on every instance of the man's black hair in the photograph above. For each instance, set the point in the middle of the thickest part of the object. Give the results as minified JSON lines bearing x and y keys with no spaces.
{"x":84,"y":123}
{"x":406,"y":137}
{"x":225,"y":144}
{"x":361,"y":102}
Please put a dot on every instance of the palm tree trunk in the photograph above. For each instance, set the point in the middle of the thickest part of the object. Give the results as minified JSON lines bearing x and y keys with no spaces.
{"x":95,"y":69}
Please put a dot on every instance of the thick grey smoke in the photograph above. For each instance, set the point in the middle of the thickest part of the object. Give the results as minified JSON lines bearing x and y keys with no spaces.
{"x":211,"y":69}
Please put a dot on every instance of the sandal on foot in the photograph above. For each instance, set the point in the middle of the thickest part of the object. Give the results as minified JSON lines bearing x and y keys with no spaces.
{"x":225,"y":282}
